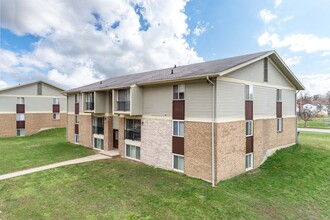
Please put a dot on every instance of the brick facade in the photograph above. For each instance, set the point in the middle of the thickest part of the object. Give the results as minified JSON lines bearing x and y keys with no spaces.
{"x":70,"y":128}
{"x":121,"y":136}
{"x":7,"y":125}
{"x":85,"y":130}
{"x":108,"y":133}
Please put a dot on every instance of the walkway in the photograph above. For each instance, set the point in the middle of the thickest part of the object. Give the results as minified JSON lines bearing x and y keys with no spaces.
{"x":54,"y":165}
{"x":315,"y":130}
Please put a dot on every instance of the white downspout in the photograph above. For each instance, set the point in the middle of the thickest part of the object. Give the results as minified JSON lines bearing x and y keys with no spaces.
{"x":213,"y":116}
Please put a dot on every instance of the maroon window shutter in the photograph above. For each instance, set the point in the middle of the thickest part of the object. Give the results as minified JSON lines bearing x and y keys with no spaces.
{"x":178,"y":145}
{"x":178,"y":109}
{"x":76,"y":129}
{"x":279,"y":109}
{"x":56,"y":108}
{"x":76,"y":108}
{"x":20,"y":124}
{"x":249,"y":144}
{"x":20,"y":108}
{"x":248,"y":110}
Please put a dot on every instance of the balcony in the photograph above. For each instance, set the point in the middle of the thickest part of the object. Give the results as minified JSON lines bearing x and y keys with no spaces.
{"x":134,"y":135}
{"x":98,"y":130}
{"x":89,"y":106}
{"x":123,"y":106}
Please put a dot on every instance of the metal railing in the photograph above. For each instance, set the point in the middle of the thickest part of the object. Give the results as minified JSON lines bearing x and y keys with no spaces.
{"x":89,"y":106}
{"x":123,"y":106}
{"x":134,"y":135}
{"x":98,"y":130}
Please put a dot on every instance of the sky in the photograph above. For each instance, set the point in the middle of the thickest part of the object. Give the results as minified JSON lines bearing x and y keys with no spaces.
{"x":73,"y":43}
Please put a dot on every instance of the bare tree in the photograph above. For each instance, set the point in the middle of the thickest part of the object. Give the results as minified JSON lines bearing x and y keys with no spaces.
{"x":327,"y":100}
{"x":308,"y":111}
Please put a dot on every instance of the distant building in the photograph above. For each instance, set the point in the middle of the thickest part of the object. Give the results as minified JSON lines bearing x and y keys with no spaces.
{"x":211,"y":120}
{"x":27,"y":108}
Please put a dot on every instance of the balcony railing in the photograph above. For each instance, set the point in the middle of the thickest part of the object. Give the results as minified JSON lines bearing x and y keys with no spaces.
{"x":123,"y":106}
{"x":89,"y":106}
{"x":98,"y":130}
{"x":134,"y":135}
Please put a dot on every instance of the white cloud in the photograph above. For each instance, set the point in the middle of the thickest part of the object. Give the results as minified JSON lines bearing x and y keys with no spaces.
{"x":266,"y":15}
{"x":3,"y":84}
{"x":79,"y":44}
{"x":316,"y":83}
{"x":200,"y":28}
{"x":290,"y":61}
{"x":278,"y":3}
{"x":308,"y":43}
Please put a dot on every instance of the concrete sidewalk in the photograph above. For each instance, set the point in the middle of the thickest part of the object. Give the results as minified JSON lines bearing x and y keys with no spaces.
{"x":315,"y":130}
{"x":54,"y":165}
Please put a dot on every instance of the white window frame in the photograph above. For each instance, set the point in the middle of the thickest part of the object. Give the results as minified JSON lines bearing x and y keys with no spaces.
{"x":279,"y":125}
{"x":76,"y":138}
{"x":76,"y":119}
{"x":56,"y":101}
{"x":249,"y":92}
{"x":246,"y":156}
{"x":57,"y":116}
{"x":181,"y":89}
{"x":20,"y":100}
{"x":179,"y":122}
{"x":20,"y":117}
{"x":20,"y":129}
{"x":76,"y":98}
{"x":279,"y":95}
{"x":177,"y":155}
{"x":251,"y":129}
{"x":129,"y":157}
{"x":94,"y":144}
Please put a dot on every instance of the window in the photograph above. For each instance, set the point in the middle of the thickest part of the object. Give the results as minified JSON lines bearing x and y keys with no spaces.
{"x":249,"y":161}
{"x":178,"y":128}
{"x":20,"y":100}
{"x":39,"y":89}
{"x":133,"y":152}
{"x":76,"y":98}
{"x":266,"y":70}
{"x":249,"y":128}
{"x":56,"y":116}
{"x":278,"y":95}
{"x":89,"y":99}
{"x":20,"y":117}
{"x":178,"y":162}
{"x":123,"y":100}
{"x":178,"y":91}
{"x":20,"y":132}
{"x":56,"y":101}
{"x":133,"y":129}
{"x":76,"y":138}
{"x":248,"y":92}
{"x":279,"y":124}
{"x":76,"y":119}
{"x":98,"y":143}
{"x":98,"y":125}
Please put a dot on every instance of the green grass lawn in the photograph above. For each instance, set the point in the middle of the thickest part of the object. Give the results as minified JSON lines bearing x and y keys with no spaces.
{"x":293,"y":184}
{"x":44,"y":148}
{"x":315,"y":123}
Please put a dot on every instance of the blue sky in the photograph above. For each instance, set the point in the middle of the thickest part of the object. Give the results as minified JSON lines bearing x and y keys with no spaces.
{"x":99,"y":39}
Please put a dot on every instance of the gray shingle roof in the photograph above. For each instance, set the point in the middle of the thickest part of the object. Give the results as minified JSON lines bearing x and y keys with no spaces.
{"x":180,"y":72}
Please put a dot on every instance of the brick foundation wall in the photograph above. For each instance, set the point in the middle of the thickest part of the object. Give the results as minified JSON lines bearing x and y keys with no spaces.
{"x":121,"y":137}
{"x":70,"y":128}
{"x":230,"y":149}
{"x":108,"y":133}
{"x":36,"y":121}
{"x":85,"y":130}
{"x":198,"y":143}
{"x":266,"y":136}
{"x":7,"y":125}
{"x":156,"y":143}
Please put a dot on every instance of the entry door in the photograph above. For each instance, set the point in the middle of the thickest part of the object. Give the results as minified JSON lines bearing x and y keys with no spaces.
{"x":115,"y":138}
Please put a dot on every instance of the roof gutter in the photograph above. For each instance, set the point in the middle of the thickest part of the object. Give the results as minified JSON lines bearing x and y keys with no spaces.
{"x":213,"y":120}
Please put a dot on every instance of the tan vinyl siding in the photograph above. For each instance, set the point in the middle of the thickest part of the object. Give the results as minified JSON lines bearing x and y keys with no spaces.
{"x":157,"y":100}
{"x":253,"y":72}
{"x":115,"y":122}
{"x":99,"y":102}
{"x":288,"y":103}
{"x":71,"y":103}
{"x":108,"y":102}
{"x":230,"y":101}
{"x":264,"y":102}
{"x":136,"y":97}
{"x":8,"y":104}
{"x":275,"y":77}
{"x":198,"y":100}
{"x":42,"y":104}
{"x":49,"y":90}
{"x":26,"y":90}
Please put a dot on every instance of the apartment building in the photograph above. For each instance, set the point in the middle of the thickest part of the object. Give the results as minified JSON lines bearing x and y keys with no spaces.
{"x":211,"y":120}
{"x":27,"y":108}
